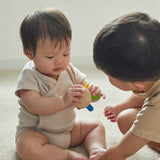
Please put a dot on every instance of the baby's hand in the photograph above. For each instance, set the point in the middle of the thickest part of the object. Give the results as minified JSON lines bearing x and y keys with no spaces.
{"x":95,"y":90}
{"x":72,"y":95}
{"x":111,"y":113}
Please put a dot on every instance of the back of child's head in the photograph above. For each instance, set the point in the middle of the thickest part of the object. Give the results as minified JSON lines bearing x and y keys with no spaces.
{"x":129,"y":48}
{"x":44,"y":24}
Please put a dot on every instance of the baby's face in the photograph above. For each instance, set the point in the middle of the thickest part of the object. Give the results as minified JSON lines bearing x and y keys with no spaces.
{"x":52,"y":58}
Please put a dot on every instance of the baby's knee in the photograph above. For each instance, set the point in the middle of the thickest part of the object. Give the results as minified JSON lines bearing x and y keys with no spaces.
{"x":25,"y":151}
{"x":25,"y":143}
{"x":99,"y":124}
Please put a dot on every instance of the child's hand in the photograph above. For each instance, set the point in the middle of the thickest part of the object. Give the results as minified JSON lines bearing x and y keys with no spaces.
{"x":95,"y":90}
{"x":72,"y":95}
{"x":111,"y":113}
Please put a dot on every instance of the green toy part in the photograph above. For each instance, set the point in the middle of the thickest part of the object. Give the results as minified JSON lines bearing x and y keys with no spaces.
{"x":95,"y":97}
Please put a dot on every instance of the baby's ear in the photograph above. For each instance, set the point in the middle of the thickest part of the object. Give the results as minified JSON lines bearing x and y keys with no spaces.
{"x":139,"y":85}
{"x":29,"y":54}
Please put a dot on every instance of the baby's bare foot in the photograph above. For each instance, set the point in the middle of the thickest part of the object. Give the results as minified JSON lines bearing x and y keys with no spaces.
{"x":75,"y":156}
{"x":96,"y":153}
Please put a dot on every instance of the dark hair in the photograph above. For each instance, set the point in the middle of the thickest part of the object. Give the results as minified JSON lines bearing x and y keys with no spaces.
{"x":43,"y":24}
{"x":129,"y":48}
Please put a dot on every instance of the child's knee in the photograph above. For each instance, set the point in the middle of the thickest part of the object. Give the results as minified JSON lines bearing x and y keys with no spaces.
{"x":121,"y":123}
{"x":125,"y":119}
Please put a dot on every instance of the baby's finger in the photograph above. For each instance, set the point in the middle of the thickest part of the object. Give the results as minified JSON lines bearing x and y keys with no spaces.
{"x":90,"y":86}
{"x":75,"y":99}
{"x":81,"y":90}
{"x":77,"y":86}
{"x":94,"y":90}
{"x":103,"y":95}
{"x":97,"y":92}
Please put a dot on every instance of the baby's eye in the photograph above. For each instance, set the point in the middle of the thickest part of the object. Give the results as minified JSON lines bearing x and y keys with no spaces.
{"x":50,"y":57}
{"x":65,"y":54}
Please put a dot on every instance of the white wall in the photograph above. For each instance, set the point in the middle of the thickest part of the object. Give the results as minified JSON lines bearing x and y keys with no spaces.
{"x":87,"y":17}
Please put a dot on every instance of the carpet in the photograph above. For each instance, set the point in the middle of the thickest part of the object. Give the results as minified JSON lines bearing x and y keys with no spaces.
{"x":9,"y":111}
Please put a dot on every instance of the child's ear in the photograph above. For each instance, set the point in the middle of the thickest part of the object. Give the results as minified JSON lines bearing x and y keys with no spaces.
{"x":139,"y":85}
{"x":29,"y":54}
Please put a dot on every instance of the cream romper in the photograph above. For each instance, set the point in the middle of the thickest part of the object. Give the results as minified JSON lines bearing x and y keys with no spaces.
{"x":147,"y":123}
{"x":55,"y":126}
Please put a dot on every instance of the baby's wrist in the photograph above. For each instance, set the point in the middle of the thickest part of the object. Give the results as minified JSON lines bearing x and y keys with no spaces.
{"x":63,"y":102}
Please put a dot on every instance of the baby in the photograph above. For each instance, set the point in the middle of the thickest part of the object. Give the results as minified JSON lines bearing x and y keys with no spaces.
{"x":47,"y":87}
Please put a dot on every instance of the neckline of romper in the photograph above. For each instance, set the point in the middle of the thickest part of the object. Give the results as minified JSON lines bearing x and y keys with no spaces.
{"x":52,"y":82}
{"x":48,"y":79}
{"x":150,"y":92}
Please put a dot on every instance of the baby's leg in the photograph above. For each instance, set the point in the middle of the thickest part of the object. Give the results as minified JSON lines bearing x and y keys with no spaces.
{"x":92,"y":133}
{"x":34,"y":145}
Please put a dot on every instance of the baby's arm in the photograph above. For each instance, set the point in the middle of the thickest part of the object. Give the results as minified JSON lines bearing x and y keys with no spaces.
{"x":111,"y":112}
{"x":129,"y":145}
{"x":41,"y":105}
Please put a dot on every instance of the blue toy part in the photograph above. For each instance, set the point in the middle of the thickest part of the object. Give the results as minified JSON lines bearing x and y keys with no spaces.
{"x":90,"y":107}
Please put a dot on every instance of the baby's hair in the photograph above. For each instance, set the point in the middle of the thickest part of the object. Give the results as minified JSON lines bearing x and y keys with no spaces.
{"x":44,"y":24}
{"x":128,"y":48}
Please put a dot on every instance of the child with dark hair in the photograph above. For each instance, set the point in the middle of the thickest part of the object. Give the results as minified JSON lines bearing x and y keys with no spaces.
{"x":47,"y":87}
{"x":128,"y":51}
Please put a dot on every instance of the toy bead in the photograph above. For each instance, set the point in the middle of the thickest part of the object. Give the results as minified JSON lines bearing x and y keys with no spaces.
{"x":90,"y":107}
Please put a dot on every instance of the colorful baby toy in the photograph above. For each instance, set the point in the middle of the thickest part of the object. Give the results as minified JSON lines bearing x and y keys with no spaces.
{"x":86,"y":100}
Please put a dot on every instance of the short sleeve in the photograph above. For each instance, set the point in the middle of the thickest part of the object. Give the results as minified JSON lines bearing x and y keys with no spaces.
{"x":147,"y":121}
{"x":27,"y":80}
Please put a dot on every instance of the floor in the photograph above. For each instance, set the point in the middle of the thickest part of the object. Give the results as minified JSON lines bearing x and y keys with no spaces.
{"x":9,"y":111}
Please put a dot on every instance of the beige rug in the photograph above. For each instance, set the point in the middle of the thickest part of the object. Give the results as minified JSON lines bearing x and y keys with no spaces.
{"x":9,"y":112}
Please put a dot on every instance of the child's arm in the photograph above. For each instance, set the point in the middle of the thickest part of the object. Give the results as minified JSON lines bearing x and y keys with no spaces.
{"x":41,"y":105}
{"x":111,"y":112}
{"x":129,"y":145}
